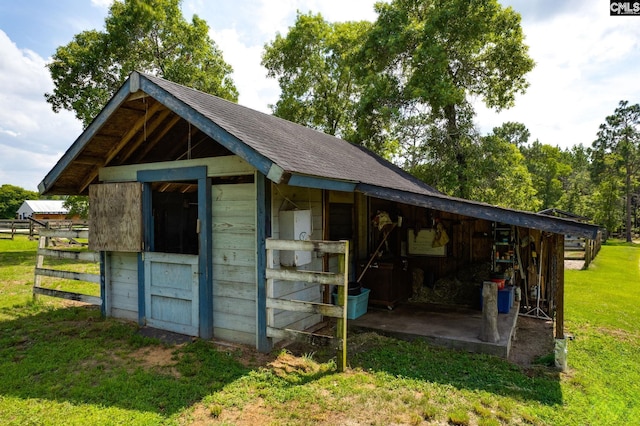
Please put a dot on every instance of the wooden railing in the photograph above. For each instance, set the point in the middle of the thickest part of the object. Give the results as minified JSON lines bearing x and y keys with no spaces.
{"x":10,"y":227}
{"x":580,"y":248}
{"x":46,"y":236}
{"x":339,"y":279}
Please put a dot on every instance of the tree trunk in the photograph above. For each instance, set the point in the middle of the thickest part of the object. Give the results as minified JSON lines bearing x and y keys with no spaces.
{"x":628,"y":212}
{"x":453,"y":135}
{"x":489,"y":332}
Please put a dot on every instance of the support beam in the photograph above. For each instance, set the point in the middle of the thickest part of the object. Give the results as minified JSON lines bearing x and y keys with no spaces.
{"x":560,"y":291}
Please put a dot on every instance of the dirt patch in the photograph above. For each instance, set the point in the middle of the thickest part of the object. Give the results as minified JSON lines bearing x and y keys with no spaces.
{"x":158,"y":358}
{"x":574,"y":264}
{"x":533,"y":340}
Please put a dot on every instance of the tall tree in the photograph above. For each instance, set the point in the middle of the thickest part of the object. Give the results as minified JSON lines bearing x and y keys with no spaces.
{"x":577,"y":185}
{"x":442,"y":53}
{"x":314,"y":68}
{"x":548,"y":168}
{"x":150,"y":36}
{"x":501,"y":176}
{"x":618,"y":147}
{"x":11,"y":198}
{"x":514,"y":133}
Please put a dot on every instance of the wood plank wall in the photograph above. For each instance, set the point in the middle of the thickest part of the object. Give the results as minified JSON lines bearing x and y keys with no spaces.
{"x":234,"y":262}
{"x":288,"y":198}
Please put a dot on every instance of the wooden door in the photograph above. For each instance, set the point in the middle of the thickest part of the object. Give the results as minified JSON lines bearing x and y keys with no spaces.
{"x":171,"y":292}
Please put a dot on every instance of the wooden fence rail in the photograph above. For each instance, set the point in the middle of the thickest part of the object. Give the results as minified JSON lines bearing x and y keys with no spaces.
{"x":32,"y":227}
{"x":41,"y":271}
{"x":339,"y":279}
{"x":579,"y":248}
{"x":11,"y":227}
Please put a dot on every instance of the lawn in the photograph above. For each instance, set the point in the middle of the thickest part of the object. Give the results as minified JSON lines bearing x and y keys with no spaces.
{"x":61,"y":363}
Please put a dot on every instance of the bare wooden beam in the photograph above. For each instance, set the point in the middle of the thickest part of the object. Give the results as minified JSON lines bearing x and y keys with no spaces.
{"x":68,"y":275}
{"x":132,"y":147}
{"x":302,"y":245}
{"x":94,"y":300}
{"x":88,"y":256}
{"x":305,"y":276}
{"x":151,"y":143}
{"x":306,"y":307}
{"x":115,"y":150}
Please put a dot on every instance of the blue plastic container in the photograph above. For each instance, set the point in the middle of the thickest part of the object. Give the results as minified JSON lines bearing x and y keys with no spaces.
{"x":505,"y":299}
{"x":356,"y":305}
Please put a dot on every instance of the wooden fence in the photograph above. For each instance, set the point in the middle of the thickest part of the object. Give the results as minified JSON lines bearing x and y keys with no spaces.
{"x":47,"y":239}
{"x":578,"y":248}
{"x":339,"y":279}
{"x":9,"y":228}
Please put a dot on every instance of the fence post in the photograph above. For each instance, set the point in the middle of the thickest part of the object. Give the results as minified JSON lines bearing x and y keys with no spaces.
{"x":39,"y":264}
{"x":342,"y":297}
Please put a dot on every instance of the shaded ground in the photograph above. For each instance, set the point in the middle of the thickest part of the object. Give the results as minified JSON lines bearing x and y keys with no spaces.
{"x":533,"y":340}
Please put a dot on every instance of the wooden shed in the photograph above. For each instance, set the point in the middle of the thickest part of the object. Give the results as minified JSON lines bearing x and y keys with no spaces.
{"x":187,"y":189}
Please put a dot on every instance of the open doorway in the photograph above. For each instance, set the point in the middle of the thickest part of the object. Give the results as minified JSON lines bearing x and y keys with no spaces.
{"x":175,"y":218}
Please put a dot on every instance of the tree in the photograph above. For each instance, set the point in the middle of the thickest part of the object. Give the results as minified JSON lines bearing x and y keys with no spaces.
{"x":11,"y":198}
{"x":501,"y":176}
{"x":442,"y":53}
{"x":314,"y":68}
{"x":78,"y":205}
{"x":577,"y":185}
{"x":514,"y":133}
{"x":617,"y":148}
{"x":150,"y":36}
{"x":548,"y":168}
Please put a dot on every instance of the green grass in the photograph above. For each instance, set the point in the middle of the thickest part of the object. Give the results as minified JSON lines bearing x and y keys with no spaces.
{"x":62,"y":364}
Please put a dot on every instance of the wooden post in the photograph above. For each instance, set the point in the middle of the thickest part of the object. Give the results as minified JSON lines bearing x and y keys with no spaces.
{"x":587,"y":253}
{"x":489,"y":331}
{"x":342,"y":299}
{"x":560,"y":293}
{"x":42,"y":244}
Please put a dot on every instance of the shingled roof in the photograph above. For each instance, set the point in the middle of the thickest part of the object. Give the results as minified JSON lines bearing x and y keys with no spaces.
{"x":151,"y":119}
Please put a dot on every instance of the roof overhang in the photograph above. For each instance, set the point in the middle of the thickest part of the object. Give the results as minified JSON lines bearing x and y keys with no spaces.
{"x":489,"y":212}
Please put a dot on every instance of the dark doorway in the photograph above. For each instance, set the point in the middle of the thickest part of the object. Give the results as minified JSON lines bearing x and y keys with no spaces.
{"x":175,"y":222}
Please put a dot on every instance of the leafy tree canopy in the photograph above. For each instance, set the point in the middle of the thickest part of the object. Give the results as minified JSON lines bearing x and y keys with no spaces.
{"x":314,"y":68}
{"x":150,"y":36}
{"x":616,"y":155}
{"x":441,"y":53}
{"x":11,"y":198}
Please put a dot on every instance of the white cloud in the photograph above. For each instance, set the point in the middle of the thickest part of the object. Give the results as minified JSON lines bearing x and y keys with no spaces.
{"x":583,"y":59}
{"x":253,"y":24}
{"x":256,"y":91}
{"x":32,"y":137}
{"x":102,"y":3}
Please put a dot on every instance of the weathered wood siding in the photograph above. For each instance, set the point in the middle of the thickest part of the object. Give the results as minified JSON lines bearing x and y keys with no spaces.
{"x":234,"y":250}
{"x":234,"y":262}
{"x":122,"y":286}
{"x":115,"y":214}
{"x":288,"y":198}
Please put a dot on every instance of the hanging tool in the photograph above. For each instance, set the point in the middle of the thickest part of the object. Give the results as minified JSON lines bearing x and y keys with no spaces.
{"x":375,"y":253}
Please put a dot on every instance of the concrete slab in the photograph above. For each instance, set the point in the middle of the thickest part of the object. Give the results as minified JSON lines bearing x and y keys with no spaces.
{"x":452,"y":328}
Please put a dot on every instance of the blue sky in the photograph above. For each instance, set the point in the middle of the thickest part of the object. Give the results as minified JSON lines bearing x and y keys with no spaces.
{"x":586,"y":62}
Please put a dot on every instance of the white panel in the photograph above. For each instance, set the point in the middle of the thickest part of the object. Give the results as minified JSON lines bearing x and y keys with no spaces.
{"x":295,"y":225}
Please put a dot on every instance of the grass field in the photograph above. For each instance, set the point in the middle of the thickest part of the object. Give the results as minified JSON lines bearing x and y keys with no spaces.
{"x":64,"y":364}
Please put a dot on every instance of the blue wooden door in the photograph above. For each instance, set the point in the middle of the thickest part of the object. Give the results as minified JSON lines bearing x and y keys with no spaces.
{"x":171,"y":292}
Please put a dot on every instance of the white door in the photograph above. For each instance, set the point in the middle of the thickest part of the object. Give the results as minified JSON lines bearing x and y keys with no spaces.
{"x":171,"y":292}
